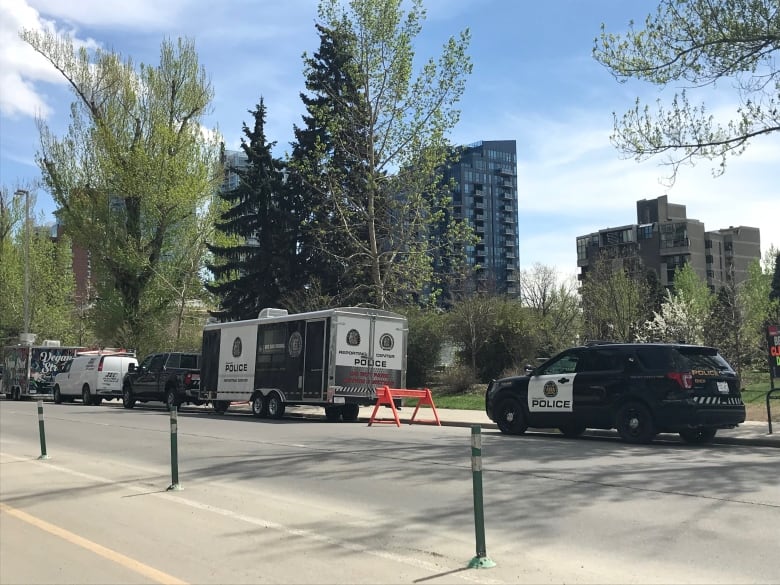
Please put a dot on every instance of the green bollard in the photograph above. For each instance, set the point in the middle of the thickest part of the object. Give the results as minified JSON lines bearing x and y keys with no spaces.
{"x":481,"y":561}
{"x":174,"y":452}
{"x":42,"y":431}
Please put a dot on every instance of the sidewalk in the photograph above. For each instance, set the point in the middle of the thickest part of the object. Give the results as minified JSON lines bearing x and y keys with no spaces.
{"x":748,"y":433}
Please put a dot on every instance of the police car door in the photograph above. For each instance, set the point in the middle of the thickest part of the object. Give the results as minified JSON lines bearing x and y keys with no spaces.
{"x":551,"y":390}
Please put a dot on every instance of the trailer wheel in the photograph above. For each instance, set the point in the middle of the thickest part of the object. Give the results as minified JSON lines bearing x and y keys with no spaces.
{"x":220,"y":406}
{"x":275,"y":406}
{"x":333,"y":413}
{"x":350,"y":412}
{"x":258,"y":405}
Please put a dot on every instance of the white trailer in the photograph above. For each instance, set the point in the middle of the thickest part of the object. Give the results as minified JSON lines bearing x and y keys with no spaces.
{"x":335,"y":358}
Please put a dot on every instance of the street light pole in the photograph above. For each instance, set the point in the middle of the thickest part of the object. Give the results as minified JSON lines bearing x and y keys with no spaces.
{"x":26,"y":257}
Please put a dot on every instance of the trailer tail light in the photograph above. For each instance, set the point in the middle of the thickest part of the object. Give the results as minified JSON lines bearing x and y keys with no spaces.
{"x":683,"y":379}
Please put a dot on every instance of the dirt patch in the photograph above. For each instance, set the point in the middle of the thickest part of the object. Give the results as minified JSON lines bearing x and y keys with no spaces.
{"x":756,"y":412}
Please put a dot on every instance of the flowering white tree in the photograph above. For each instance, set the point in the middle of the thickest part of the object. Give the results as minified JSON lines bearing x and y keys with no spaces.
{"x":677,"y":321}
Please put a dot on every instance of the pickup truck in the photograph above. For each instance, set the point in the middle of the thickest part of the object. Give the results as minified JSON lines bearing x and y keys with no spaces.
{"x":169,"y":377}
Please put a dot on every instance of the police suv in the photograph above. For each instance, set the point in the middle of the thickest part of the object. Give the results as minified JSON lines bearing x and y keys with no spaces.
{"x":640,"y":389}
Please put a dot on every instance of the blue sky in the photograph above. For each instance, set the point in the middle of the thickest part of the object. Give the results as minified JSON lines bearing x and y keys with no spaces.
{"x":534,"y":81}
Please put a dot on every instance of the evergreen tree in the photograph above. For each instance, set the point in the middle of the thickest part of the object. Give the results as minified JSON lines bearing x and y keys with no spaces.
{"x":378,"y":142}
{"x":261,"y":266}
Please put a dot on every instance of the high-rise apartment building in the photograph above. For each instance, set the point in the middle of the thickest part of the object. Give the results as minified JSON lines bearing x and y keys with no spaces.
{"x":485,"y":194}
{"x":664,"y":239}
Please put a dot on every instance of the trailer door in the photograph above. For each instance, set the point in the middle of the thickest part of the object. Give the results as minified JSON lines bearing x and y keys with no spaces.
{"x":314,"y":360}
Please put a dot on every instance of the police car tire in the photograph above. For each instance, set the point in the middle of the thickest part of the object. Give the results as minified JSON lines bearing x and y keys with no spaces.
{"x":510,"y":418}
{"x":634,"y":423}
{"x":572,"y":429}
{"x":698,"y":436}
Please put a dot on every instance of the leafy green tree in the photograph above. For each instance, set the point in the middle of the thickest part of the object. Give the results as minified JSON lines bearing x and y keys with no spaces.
{"x":262,"y":266}
{"x":11,"y":266}
{"x":427,"y":334}
{"x":380,"y":143}
{"x":774,"y":293}
{"x":726,"y":328}
{"x":132,"y":173}
{"x":698,"y":43}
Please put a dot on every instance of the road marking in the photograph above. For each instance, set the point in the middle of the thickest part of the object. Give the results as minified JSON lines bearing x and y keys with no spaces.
{"x":466,"y":575}
{"x":94,"y":547}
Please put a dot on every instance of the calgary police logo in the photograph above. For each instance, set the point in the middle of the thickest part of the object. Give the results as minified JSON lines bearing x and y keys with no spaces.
{"x":353,"y":337}
{"x":295,"y":344}
{"x":386,"y":342}
{"x":550,"y":389}
{"x":237,"y":347}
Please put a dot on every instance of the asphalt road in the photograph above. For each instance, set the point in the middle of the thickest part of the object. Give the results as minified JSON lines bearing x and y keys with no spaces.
{"x":304,"y":501}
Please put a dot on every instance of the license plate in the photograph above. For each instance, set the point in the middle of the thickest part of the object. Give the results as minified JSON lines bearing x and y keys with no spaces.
{"x":339,"y":400}
{"x":723,"y":387}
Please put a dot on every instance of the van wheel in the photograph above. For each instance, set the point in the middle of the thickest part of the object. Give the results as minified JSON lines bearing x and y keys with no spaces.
{"x":510,"y":418}
{"x":17,"y":394}
{"x":86,"y":398}
{"x":350,"y":412}
{"x":698,"y":436}
{"x":57,"y":395}
{"x":127,"y":397}
{"x":171,"y":401}
{"x":572,"y":429}
{"x":634,"y":423}
{"x":275,"y":406}
{"x":258,"y":405}
{"x":221,"y":406}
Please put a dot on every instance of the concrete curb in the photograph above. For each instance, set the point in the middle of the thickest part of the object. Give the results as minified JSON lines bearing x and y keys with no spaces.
{"x":765,"y":440}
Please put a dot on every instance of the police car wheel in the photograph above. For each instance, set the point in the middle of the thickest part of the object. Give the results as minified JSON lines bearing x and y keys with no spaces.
{"x":698,"y":436}
{"x":510,"y":418}
{"x":634,"y":423}
{"x":572,"y":429}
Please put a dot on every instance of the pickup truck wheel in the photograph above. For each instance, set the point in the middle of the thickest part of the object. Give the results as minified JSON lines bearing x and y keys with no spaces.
{"x":127,"y":397}
{"x":258,"y":405}
{"x":221,"y":406}
{"x":57,"y":395}
{"x":86,"y":397}
{"x":171,"y":401}
{"x":634,"y":423}
{"x":510,"y":418}
{"x":350,"y":412}
{"x":275,"y":405}
{"x":698,"y":436}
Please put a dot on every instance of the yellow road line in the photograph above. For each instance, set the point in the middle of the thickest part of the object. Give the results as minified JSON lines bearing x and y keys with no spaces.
{"x":94,"y":547}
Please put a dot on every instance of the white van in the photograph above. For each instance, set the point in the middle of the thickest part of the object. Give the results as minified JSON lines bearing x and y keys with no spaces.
{"x":92,"y":377}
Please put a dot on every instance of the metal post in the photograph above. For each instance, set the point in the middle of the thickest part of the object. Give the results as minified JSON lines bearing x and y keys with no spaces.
{"x":42,"y":431}
{"x":174,"y":451}
{"x":481,"y":561}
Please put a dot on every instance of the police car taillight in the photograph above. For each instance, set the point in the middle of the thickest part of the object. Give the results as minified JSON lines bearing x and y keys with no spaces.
{"x":684,"y":379}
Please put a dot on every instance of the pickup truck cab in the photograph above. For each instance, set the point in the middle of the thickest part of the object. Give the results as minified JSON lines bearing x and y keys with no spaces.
{"x":169,"y":377}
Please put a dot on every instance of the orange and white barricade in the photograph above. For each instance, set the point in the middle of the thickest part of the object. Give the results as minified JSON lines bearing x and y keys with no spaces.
{"x":385,"y":396}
